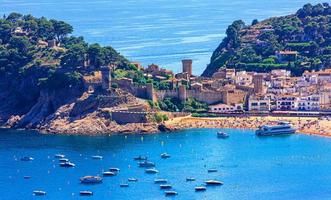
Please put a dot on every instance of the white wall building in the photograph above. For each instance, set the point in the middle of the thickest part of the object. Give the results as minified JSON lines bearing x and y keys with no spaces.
{"x":225,"y":108}
{"x":259,"y":103}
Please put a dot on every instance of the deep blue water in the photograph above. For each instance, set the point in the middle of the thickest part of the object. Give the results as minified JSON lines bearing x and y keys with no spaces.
{"x":293,"y":167}
{"x":157,"y":31}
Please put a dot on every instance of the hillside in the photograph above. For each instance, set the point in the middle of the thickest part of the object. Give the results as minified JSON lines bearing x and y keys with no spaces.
{"x":42,"y":71}
{"x":297,"y":42}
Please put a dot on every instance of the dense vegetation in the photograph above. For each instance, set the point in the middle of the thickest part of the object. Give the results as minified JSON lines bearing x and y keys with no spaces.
{"x":24,"y":45}
{"x":253,"y":48}
{"x":175,"y":105}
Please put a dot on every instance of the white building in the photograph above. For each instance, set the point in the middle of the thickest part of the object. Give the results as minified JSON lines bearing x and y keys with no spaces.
{"x":310,"y":102}
{"x":225,"y":108}
{"x":287,"y":102}
{"x":259,"y":103}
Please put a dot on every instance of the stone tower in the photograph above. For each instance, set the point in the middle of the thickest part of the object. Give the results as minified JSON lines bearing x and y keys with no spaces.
{"x":187,"y":66}
{"x":150,"y":91}
{"x":258,"y":83}
{"x":182,"y":93}
{"x":106,"y":77}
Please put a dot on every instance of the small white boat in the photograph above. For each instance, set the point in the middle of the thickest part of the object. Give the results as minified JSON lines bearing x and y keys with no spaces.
{"x":124,"y":185}
{"x":132,"y":179}
{"x":27,"y":158}
{"x":108,"y":173}
{"x":91,"y":179}
{"x":96,"y":157}
{"x":166,"y":186}
{"x":146,"y":164}
{"x":222,"y":135}
{"x":64,"y":160}
{"x":59,"y":156}
{"x":170,"y":193}
{"x":190,"y":179}
{"x":39,"y":193}
{"x":200,"y":188}
{"x":165,"y":155}
{"x":160,"y":180}
{"x":114,"y":169}
{"x":140,"y":158}
{"x":213,"y":182}
{"x":86,"y":193}
{"x":212,"y":170}
{"x":67,"y":164}
{"x":151,"y":171}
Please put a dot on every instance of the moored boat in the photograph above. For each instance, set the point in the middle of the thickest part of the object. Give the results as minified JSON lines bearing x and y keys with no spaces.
{"x":114,"y":169}
{"x":282,"y":128}
{"x":151,"y":171}
{"x":165,"y":155}
{"x":63,"y":160}
{"x":39,"y":193}
{"x":146,"y":164}
{"x":108,"y":173}
{"x":200,"y":188}
{"x":96,"y":157}
{"x":213,"y":182}
{"x":124,"y":185}
{"x":86,"y":193}
{"x":160,"y":180}
{"x":132,"y":179}
{"x":59,"y":156}
{"x":67,"y":164}
{"x":26,"y":177}
{"x":170,"y":193}
{"x":212,"y":170}
{"x":140,"y":158}
{"x":190,"y":179}
{"x":91,"y":179}
{"x":27,"y":158}
{"x":165,"y":186}
{"x":222,"y":135}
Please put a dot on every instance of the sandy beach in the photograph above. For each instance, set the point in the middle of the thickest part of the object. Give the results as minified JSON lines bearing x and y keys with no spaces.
{"x":304,"y":125}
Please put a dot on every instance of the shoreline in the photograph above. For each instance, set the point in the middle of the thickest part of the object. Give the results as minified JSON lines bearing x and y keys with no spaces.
{"x":305,"y":125}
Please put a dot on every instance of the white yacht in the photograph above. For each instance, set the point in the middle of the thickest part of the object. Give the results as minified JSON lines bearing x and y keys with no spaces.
{"x":282,"y":128}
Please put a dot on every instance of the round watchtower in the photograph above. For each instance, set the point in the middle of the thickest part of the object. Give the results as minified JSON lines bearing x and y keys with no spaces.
{"x":106,"y":77}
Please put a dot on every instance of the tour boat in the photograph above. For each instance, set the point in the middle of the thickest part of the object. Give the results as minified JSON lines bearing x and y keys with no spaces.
{"x":27,"y":158}
{"x":39,"y":193}
{"x":86,"y":193}
{"x":212,"y":170}
{"x":165,"y":186}
{"x":200,"y":188}
{"x":146,"y":164}
{"x":170,"y":193}
{"x":222,"y":135}
{"x":108,"y":173}
{"x":190,"y":179}
{"x":282,"y":128}
{"x":213,"y":182}
{"x":67,"y":164}
{"x":140,"y":158}
{"x":59,"y":156}
{"x":91,"y":179}
{"x":132,"y":179}
{"x":151,"y":171}
{"x":97,"y":157}
{"x":160,"y":180}
{"x":114,"y":169}
{"x":165,"y":155}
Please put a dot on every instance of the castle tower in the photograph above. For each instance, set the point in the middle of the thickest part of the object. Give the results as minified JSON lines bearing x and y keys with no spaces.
{"x":150,"y":91}
{"x":182,"y":93}
{"x":187,"y":66}
{"x":106,"y":77}
{"x":258,"y":83}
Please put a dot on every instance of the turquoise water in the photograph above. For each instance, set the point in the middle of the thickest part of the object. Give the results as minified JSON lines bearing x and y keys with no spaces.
{"x":157,"y":31}
{"x":292,"y":167}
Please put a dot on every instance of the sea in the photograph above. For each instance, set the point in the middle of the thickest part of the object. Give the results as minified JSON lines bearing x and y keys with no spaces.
{"x":162,"y":32}
{"x":285,"y":167}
